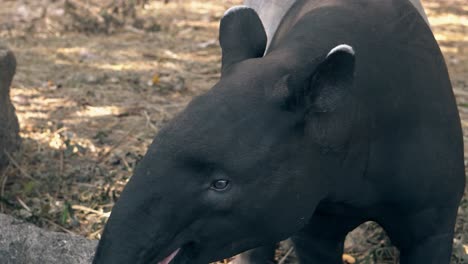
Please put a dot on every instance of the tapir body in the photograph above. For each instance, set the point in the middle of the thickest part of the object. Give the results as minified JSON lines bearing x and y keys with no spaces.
{"x":348,"y":117}
{"x":271,"y":12}
{"x":9,"y":127}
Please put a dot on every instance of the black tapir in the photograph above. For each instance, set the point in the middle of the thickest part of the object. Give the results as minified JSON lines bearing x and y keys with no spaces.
{"x":10,"y":140}
{"x":348,"y":117}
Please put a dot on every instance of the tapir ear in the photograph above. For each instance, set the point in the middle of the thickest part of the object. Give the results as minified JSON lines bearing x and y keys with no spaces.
{"x":241,"y":36}
{"x":331,"y":80}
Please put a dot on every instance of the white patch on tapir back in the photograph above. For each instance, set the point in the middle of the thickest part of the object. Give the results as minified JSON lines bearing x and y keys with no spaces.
{"x":234,"y":8}
{"x":418,"y":5}
{"x":271,"y":12}
{"x":342,"y":47}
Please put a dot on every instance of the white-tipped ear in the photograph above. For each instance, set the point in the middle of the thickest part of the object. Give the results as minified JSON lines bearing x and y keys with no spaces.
{"x":234,"y":9}
{"x":342,"y":48}
{"x":332,"y":79}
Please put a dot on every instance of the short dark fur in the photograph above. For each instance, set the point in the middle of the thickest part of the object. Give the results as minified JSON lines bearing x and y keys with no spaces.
{"x":313,"y":144}
{"x":9,"y":127}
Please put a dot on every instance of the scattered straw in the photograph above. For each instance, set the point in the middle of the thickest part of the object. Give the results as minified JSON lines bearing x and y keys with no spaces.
{"x":90,"y":210}
{"x":285,"y":257}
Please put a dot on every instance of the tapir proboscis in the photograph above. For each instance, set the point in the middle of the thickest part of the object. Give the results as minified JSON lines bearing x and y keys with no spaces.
{"x":348,"y":116}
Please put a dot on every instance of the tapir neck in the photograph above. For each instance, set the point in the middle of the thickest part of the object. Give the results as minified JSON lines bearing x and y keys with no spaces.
{"x":344,"y":149}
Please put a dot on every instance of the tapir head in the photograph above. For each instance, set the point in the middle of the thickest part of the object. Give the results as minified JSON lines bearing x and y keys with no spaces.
{"x":242,"y":165}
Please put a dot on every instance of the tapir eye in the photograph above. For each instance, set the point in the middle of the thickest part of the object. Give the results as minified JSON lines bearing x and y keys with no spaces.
{"x":220,"y":185}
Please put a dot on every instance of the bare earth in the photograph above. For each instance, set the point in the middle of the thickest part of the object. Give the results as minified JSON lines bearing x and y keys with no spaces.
{"x":90,"y":104}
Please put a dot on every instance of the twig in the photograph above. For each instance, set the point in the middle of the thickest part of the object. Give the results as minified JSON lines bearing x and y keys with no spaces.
{"x":107,"y":205}
{"x":283,"y":259}
{"x":13,"y":161}
{"x":148,"y":121}
{"x":87,"y":185}
{"x":2,"y":190}
{"x":58,"y":226}
{"x":89,"y":210}
{"x":93,"y":235}
{"x":23,"y":204}
{"x":127,"y":166}
{"x":134,"y":30}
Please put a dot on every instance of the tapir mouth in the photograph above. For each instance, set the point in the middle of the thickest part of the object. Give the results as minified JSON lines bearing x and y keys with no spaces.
{"x":169,"y":258}
{"x":180,"y":255}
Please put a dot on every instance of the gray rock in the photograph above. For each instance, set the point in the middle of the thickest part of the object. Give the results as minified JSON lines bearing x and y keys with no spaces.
{"x":9,"y":128}
{"x":23,"y":243}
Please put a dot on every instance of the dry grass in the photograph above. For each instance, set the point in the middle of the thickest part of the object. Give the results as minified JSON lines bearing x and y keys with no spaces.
{"x":89,"y":105}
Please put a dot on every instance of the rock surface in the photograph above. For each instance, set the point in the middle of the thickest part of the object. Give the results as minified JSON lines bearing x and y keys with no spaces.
{"x":23,"y":243}
{"x":9,"y":128}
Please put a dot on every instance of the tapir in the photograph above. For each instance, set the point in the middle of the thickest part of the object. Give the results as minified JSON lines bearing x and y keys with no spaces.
{"x":10,"y":140}
{"x":349,"y":116}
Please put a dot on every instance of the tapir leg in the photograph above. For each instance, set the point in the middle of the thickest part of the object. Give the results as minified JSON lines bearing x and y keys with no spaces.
{"x":322,"y":240}
{"x":423,"y":237}
{"x":261,"y":255}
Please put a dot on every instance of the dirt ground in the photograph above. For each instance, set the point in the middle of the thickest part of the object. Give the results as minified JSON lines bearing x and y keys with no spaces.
{"x":90,"y":104}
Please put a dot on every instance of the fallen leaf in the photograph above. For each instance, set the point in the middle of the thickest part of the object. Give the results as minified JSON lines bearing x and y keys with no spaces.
{"x":155,"y":80}
{"x":348,"y":259}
